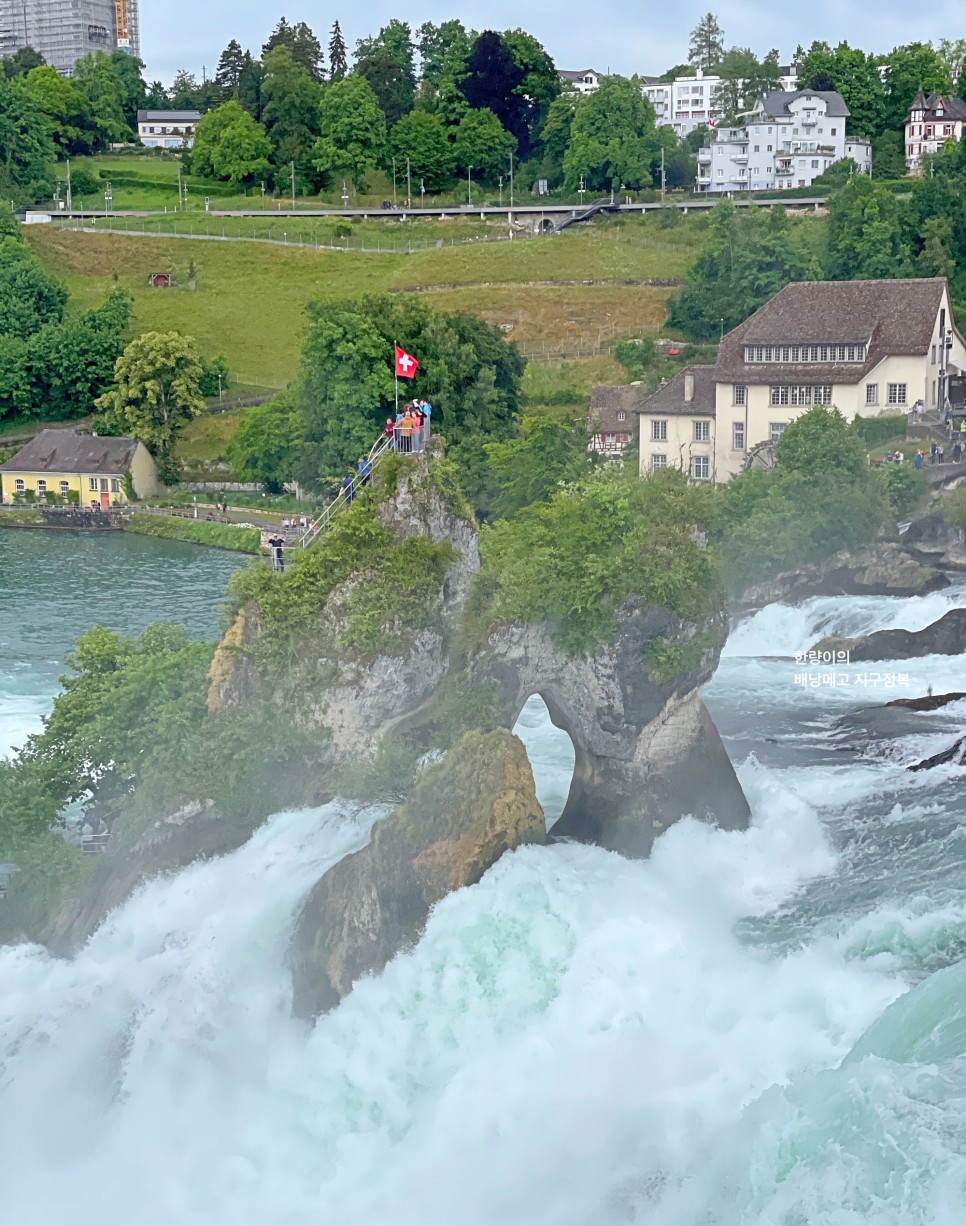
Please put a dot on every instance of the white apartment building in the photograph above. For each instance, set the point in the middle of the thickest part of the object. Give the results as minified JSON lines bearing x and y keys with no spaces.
{"x":786,"y":141}
{"x":167,"y":129}
{"x":931,"y":123}
{"x":863,"y":347}
{"x":687,"y":103}
{"x":584,"y":81}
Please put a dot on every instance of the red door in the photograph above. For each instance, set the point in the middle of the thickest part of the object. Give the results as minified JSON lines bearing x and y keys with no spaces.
{"x":105,"y":502}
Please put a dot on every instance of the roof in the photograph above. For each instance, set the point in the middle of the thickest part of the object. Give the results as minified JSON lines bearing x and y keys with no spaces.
{"x":66,"y":451}
{"x":669,"y":399}
{"x":607,"y":402}
{"x":953,"y":107}
{"x":890,"y":317}
{"x":777,"y":102}
{"x":570,"y":74}
{"x":170,"y":116}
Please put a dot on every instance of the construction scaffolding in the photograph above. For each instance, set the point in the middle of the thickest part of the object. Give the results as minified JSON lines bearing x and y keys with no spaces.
{"x":64,"y":31}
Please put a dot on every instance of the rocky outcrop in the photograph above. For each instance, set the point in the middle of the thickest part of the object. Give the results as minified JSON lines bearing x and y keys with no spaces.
{"x":465,"y":811}
{"x":955,"y":755}
{"x":945,"y":637}
{"x":885,"y":569}
{"x":646,"y":750}
{"x":928,"y":702}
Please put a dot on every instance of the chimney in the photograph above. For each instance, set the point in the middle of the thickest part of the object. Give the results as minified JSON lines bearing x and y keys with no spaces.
{"x":688,"y":387}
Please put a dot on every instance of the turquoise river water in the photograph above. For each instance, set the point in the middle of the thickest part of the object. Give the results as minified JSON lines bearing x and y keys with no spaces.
{"x":765,"y":1028}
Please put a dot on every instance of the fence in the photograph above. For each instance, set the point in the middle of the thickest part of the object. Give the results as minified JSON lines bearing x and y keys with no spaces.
{"x":581,"y":347}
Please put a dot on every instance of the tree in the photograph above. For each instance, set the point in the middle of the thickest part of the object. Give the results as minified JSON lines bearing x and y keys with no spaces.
{"x":706,"y":43}
{"x":266,"y":444}
{"x":26,"y":148}
{"x":821,"y":443}
{"x":156,"y":394}
{"x":60,"y":103}
{"x":538,"y":88}
{"x":290,"y":111}
{"x":952,"y":52}
{"x":184,"y":91}
{"x":677,"y":70}
{"x":249,"y":91}
{"x":910,"y":68}
{"x":422,"y":139}
{"x":483,"y":144}
{"x":888,"y":156}
{"x":864,"y":237}
{"x":836,"y":175}
{"x":156,"y":99}
{"x":612,"y":139}
{"x":301,"y":44}
{"x":492,"y":82}
{"x":230,"y":65}
{"x":230,"y":145}
{"x":936,"y":257}
{"x":743,"y":80}
{"x":132,"y":91}
{"x":23,"y":61}
{"x":96,"y":80}
{"x":745,"y":262}
{"x":855,"y":76}
{"x":532,"y":466}
{"x":352,"y":129}
{"x":437,"y":45}
{"x":555,"y":136}
{"x":387,"y":62}
{"x":28,"y":297}
{"x":338,"y":64}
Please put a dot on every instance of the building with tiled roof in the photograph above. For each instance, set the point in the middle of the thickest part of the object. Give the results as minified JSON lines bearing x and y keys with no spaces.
{"x":932,"y":122}
{"x":612,"y":420}
{"x":88,"y":469}
{"x":583,"y":80}
{"x":865,"y":347}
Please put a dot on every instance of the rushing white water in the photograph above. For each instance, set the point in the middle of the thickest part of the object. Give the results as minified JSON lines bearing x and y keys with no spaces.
{"x":766,"y":1027}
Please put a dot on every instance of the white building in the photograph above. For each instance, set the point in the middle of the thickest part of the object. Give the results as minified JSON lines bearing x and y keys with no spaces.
{"x":167,"y":129}
{"x":584,"y":81}
{"x":64,"y":31}
{"x":864,"y":347}
{"x":687,"y":103}
{"x":788,"y":139}
{"x":931,"y":123}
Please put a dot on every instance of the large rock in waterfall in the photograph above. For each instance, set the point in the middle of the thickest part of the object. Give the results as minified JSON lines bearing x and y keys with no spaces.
{"x":463,"y":814}
{"x":945,"y":637}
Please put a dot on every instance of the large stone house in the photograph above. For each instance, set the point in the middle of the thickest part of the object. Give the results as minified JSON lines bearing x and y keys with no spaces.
{"x":87,"y":469}
{"x":930,"y":124}
{"x":864,"y":347}
{"x":787,"y":140}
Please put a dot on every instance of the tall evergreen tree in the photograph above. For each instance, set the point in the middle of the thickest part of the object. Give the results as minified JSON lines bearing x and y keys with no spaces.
{"x":290,"y":112}
{"x":230,"y":67}
{"x":249,"y":90}
{"x":388,"y":63}
{"x":301,"y":43}
{"x":338,"y":63}
{"x":706,"y":44}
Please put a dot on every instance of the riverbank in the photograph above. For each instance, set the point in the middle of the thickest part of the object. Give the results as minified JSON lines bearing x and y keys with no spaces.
{"x":234,"y":537}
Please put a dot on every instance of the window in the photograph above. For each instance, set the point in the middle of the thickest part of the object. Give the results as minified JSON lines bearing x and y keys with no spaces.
{"x":115,"y":485}
{"x":41,"y":486}
{"x":621,"y":415}
{"x":779,"y":395}
{"x":741,"y":394}
{"x":700,"y":467}
{"x":814,"y":163}
{"x":64,"y":489}
{"x":757,"y":148}
{"x":92,"y":484}
{"x":770,"y":150}
{"x":18,"y":486}
{"x":872,"y":393}
{"x":834,"y":131}
{"x":658,"y":431}
{"x":776,"y":429}
{"x":934,"y":391}
{"x":932,"y":360}
{"x":103,"y":485}
{"x":737,"y":436}
{"x":658,"y":461}
{"x":702,"y":431}
{"x":823,"y":395}
{"x":897,"y":393}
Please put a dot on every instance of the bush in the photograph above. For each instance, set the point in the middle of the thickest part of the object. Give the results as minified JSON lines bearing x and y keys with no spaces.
{"x":875,"y":430}
{"x":214,"y":376}
{"x":904,"y":486}
{"x":635,"y":355}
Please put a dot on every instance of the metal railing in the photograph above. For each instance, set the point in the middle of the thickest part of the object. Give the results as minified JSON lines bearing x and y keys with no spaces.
{"x":377,"y":453}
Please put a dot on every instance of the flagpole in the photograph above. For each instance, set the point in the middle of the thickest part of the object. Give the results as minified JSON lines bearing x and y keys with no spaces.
{"x":395,"y":371}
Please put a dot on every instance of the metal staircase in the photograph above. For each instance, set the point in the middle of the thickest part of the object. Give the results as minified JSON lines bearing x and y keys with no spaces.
{"x":314,"y":530}
{"x":604,"y":205}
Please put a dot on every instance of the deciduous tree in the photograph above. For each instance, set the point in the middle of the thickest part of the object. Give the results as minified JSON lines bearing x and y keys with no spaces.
{"x":612,"y":139}
{"x":492,"y":81}
{"x":387,"y":62}
{"x":865,"y":238}
{"x":909,"y":68}
{"x":482,"y":143}
{"x":352,"y":127}
{"x":421,"y":137}
{"x":230,"y":145}
{"x":155,"y":394}
{"x":26,"y":148}
{"x":290,"y":112}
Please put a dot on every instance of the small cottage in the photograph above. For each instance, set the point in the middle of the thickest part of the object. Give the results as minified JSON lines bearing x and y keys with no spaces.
{"x":88,"y":469}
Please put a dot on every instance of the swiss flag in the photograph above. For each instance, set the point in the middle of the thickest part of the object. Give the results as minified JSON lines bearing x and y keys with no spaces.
{"x":406,"y":364}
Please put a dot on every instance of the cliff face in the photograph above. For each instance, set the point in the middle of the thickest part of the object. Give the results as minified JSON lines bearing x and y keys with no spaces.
{"x":464,"y":813}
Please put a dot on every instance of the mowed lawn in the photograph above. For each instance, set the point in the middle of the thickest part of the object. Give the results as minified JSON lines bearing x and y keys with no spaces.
{"x":250,"y":297}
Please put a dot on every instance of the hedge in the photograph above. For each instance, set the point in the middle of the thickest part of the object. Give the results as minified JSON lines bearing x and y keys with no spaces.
{"x":197,"y":531}
{"x":875,"y":430}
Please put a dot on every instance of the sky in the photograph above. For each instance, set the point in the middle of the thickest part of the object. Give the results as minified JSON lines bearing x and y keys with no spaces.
{"x":623,"y":36}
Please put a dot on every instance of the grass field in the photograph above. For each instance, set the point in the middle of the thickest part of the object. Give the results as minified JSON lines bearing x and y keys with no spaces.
{"x":250,"y":297}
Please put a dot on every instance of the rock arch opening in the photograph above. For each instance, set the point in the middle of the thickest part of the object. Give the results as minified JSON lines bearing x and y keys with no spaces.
{"x":551,"y":753}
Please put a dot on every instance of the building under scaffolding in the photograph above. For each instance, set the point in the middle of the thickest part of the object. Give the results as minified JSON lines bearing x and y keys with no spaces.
{"x":64,"y":31}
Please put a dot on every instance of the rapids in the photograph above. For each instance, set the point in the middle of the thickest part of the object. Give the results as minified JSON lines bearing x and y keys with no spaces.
{"x":763,"y":1028}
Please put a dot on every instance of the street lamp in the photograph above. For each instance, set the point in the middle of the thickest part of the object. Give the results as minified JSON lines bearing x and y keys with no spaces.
{"x":393,"y":182}
{"x":345,"y":195}
{"x":108,"y":197}
{"x":422,"y":194}
{"x":469,"y":187}
{"x":581,"y":190}
{"x":409,"y":187}
{"x":511,"y":180}
{"x":501,"y":191}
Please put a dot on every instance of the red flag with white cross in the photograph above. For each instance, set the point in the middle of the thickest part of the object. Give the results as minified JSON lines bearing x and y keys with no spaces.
{"x":406,"y":364}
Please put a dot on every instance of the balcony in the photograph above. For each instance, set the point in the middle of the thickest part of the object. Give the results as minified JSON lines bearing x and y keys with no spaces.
{"x":784,"y":170}
{"x":809,"y":119}
{"x":740,"y":158}
{"x":704,"y":155}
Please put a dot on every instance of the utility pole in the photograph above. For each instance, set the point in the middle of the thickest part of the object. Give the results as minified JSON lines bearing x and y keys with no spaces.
{"x":345,"y":195}
{"x":70,"y":198}
{"x":581,"y":190}
{"x":422,"y":193}
{"x":469,"y":187}
{"x":108,"y":197}
{"x":179,"y":187}
{"x":293,"y":185}
{"x":393,"y":182}
{"x":409,"y":187}
{"x":511,"y":180}
{"x":663,"y":180}
{"x":501,"y":191}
